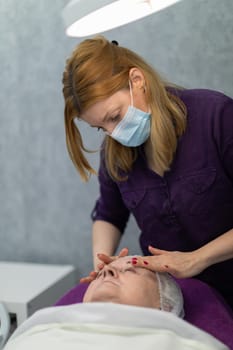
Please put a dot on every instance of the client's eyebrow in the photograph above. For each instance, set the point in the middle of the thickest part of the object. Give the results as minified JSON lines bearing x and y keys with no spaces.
{"x":132,"y":268}
{"x":126,"y":268}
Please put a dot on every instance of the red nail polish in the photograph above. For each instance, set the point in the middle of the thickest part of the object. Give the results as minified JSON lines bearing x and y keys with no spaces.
{"x":145,"y":262}
{"x":134,"y":262}
{"x":134,"y":259}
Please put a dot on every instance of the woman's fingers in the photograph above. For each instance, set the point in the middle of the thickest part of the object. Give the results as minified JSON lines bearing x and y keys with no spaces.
{"x":90,"y":278}
{"x":123,"y":252}
{"x":150,"y":263}
{"x":106,"y":259}
{"x":85,"y":280}
{"x":178,"y":264}
{"x":100,"y":266}
{"x":155,"y":251}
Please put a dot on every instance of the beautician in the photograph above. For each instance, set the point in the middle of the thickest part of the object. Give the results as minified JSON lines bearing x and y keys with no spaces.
{"x":167,"y":158}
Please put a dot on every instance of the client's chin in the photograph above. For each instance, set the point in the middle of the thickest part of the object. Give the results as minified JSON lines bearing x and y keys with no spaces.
{"x":104,"y":298}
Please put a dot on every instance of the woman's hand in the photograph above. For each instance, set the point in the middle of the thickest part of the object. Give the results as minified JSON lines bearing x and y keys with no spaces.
{"x":88,"y":279}
{"x":181,"y":265}
{"x":104,"y":259}
{"x":178,"y":264}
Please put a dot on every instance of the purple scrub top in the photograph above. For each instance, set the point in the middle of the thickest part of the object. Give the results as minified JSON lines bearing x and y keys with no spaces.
{"x":193,"y":202}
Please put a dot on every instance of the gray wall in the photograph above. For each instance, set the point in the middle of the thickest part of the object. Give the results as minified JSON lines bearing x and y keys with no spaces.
{"x":44,"y":206}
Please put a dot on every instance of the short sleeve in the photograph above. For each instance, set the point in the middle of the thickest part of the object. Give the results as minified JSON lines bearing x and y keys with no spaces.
{"x":110,"y":206}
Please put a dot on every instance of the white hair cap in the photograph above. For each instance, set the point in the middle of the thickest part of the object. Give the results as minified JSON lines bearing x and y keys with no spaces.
{"x":171,"y":298}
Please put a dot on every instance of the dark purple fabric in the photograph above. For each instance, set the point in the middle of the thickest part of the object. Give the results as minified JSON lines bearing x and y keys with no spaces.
{"x":74,"y":296}
{"x":204,"y":308}
{"x":193,"y":202}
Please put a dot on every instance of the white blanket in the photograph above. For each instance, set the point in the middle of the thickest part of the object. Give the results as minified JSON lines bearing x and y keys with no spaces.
{"x":108,"y":326}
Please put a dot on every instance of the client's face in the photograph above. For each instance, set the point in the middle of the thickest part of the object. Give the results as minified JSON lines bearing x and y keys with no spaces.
{"x":120,"y":282}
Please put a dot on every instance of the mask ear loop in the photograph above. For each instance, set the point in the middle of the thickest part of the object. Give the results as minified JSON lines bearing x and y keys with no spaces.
{"x":131,"y":93}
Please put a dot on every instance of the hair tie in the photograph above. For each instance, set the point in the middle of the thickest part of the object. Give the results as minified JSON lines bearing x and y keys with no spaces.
{"x":73,"y":92}
{"x":114,"y":42}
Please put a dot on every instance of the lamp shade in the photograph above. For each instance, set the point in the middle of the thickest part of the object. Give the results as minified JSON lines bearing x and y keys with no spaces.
{"x":87,"y":17}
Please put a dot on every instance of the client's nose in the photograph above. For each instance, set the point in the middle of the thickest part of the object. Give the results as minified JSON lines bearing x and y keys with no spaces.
{"x":109,"y":271}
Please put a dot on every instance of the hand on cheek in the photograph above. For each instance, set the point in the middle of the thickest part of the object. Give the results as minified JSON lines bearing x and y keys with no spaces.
{"x":104,"y":259}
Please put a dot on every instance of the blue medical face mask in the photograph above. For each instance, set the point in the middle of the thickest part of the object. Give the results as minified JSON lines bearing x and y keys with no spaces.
{"x":134,"y":129}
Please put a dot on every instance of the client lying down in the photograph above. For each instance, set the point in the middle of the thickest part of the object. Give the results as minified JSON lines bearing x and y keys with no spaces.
{"x":124,"y":307}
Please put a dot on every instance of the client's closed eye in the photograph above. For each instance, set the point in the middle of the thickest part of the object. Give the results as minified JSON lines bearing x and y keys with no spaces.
{"x":130,"y":269}
{"x":105,"y":273}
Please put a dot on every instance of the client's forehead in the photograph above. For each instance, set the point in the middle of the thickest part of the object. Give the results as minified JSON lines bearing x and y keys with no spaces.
{"x":122,"y":262}
{"x":126,"y":261}
{"x":143,"y":274}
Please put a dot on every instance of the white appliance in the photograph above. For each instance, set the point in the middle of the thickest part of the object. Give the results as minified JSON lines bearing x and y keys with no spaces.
{"x":4,"y":325}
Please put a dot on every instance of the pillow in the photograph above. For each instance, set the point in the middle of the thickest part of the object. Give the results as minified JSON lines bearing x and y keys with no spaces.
{"x":204,"y":308}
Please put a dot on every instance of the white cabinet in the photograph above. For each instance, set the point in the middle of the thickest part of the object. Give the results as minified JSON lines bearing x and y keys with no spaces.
{"x":25,"y":287}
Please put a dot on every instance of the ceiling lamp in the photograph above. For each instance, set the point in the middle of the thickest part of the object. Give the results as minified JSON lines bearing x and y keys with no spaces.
{"x":88,"y":17}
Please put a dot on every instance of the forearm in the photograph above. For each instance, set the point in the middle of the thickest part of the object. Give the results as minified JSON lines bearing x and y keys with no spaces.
{"x":218,"y":250}
{"x":105,"y":239}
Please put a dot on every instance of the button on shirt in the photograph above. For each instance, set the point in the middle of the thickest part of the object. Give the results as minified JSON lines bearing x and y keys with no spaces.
{"x":193,"y":202}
